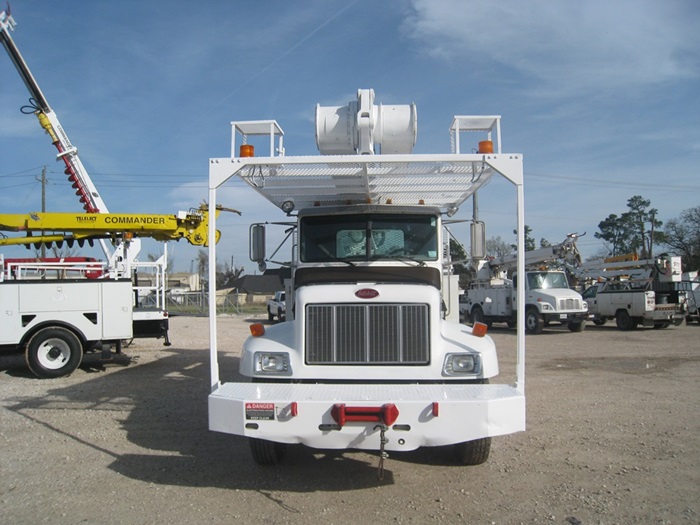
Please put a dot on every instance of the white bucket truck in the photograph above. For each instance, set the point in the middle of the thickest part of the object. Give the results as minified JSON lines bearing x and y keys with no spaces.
{"x":372,"y":355}
{"x":491,"y":297}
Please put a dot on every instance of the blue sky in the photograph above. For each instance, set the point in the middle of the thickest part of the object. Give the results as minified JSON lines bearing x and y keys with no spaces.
{"x":601,"y":98}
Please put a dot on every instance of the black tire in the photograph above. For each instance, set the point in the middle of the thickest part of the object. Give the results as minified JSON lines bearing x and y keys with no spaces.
{"x":533,"y":321}
{"x":624,"y":321}
{"x":473,"y":452}
{"x":267,"y":453}
{"x":576,"y":326}
{"x":280,"y":315}
{"x":53,"y":352}
{"x":270,"y":317}
{"x":477,"y":316}
{"x":600,"y":321}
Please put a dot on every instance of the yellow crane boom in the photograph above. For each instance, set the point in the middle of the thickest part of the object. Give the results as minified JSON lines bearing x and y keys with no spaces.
{"x":57,"y":227}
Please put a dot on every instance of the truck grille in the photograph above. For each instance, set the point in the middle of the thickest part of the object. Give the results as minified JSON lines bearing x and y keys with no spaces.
{"x":378,"y":334}
{"x":570,"y":304}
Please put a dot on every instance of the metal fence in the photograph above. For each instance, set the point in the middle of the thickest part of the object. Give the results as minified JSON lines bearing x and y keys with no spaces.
{"x":197,"y":303}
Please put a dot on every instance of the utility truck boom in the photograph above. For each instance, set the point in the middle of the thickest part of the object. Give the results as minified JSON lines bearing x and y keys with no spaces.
{"x":372,"y":355}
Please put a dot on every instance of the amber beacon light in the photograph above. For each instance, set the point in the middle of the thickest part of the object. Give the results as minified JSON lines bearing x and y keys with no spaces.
{"x":485,"y":146}
{"x":247,"y":150}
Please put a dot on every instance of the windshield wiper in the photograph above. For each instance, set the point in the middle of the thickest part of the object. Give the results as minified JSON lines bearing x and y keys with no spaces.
{"x":334,"y":258}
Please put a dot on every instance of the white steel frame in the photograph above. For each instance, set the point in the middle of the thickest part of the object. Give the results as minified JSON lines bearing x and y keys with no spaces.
{"x":359,"y":178}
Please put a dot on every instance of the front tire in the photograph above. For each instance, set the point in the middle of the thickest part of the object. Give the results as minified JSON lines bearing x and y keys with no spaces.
{"x":576,"y":326}
{"x":53,"y":352}
{"x":473,"y":452}
{"x":267,"y":453}
{"x":533,"y":321}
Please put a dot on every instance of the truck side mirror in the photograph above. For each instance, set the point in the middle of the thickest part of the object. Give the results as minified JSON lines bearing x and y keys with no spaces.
{"x":257,"y":243}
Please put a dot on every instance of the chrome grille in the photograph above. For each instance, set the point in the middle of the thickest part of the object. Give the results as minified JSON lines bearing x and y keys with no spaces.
{"x":378,"y":334}
{"x":570,"y":304}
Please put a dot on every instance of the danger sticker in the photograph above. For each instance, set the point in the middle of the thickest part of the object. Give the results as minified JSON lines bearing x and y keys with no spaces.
{"x":260,"y":411}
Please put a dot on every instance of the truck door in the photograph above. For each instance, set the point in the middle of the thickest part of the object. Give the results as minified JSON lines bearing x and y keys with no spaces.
{"x":591,"y":298}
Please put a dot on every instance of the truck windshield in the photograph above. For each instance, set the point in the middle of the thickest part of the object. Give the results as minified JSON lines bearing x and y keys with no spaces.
{"x":546,"y":280}
{"x":365,"y":237}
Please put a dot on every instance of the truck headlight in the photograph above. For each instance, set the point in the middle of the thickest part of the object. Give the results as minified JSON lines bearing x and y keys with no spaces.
{"x":269,"y":363}
{"x":462,"y":364}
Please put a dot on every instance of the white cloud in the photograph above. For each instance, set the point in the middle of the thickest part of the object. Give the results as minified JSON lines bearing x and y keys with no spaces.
{"x":567,"y":48}
{"x":12,"y":126}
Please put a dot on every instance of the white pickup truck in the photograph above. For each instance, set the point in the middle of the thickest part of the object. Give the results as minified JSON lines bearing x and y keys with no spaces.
{"x":631,"y":307}
{"x":277,"y":307}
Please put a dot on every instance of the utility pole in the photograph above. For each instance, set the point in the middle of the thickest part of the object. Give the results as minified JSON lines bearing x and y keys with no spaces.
{"x":43,"y":204}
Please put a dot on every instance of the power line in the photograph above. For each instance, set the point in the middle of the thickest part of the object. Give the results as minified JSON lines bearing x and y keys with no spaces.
{"x":614,"y":184}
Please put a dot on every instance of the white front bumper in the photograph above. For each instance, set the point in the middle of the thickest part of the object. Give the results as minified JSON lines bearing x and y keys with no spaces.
{"x":464,"y":413}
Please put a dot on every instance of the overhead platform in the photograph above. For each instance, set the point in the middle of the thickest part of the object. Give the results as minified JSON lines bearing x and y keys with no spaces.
{"x":443,"y":181}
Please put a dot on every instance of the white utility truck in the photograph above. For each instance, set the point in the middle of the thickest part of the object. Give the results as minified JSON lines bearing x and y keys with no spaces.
{"x":491,"y":297}
{"x":372,"y":355}
{"x":691,"y":286}
{"x":55,"y":321}
{"x":636,"y":292}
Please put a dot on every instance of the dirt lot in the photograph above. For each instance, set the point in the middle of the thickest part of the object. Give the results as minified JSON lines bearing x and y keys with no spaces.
{"x":613,"y":437}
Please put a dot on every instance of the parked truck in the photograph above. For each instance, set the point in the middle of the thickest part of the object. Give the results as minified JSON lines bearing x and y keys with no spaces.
{"x":55,"y":322}
{"x":372,"y":355}
{"x":119,"y":235}
{"x":636,"y":292}
{"x":491,"y":297}
{"x":276,"y":307}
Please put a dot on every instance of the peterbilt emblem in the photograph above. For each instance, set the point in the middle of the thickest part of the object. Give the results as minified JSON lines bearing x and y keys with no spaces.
{"x":366,"y":293}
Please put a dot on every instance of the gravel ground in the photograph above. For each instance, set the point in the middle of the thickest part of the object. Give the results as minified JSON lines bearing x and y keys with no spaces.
{"x":613,"y":438}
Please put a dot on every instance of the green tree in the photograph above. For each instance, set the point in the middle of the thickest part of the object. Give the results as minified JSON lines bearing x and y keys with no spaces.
{"x":529,"y":240}
{"x":643,"y":222}
{"x":203,"y":268}
{"x":682,"y":235}
{"x":634,"y":231}
{"x":226,"y":274}
{"x":615,"y":231}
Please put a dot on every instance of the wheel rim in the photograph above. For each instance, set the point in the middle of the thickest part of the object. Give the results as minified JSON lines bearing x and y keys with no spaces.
{"x":531,"y":321}
{"x":53,"y":353}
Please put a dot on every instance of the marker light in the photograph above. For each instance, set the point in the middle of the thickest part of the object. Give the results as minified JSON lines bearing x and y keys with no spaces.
{"x":247,"y":150}
{"x":479,"y":329}
{"x":288,"y":206}
{"x":257,"y":329}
